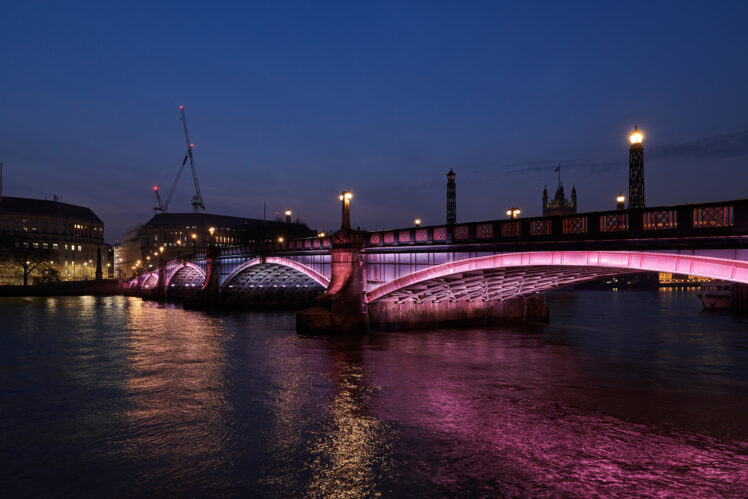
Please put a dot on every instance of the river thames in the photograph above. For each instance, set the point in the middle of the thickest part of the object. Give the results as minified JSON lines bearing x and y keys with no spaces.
{"x":625,"y":394}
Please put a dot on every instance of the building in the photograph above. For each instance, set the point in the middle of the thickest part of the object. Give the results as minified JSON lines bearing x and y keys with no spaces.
{"x":168,"y":235}
{"x":559,"y":205}
{"x":65,"y":235}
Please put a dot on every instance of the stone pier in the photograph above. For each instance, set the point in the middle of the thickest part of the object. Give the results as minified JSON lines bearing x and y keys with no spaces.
{"x":390,"y":316}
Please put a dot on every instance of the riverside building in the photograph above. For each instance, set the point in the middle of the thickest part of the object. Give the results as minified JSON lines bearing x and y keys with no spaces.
{"x":67,"y":234}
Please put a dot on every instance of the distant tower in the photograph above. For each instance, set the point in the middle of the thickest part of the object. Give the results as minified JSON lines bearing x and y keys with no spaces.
{"x":559,"y":205}
{"x":636,"y":170}
{"x":451,"y":198}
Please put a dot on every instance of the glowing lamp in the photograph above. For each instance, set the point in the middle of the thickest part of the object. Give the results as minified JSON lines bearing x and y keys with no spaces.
{"x":280,"y":239}
{"x":288,"y":213}
{"x":212,"y":230}
{"x":321,"y":234}
{"x":348,"y":195}
{"x":417,"y":221}
{"x":636,"y":136}
{"x":194,"y":236}
{"x":181,"y":107}
{"x":620,"y":198}
{"x":161,"y":249}
{"x":192,"y":145}
{"x":155,"y":187}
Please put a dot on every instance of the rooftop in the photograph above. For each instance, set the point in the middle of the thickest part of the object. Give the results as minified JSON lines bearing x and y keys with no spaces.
{"x":43,"y":208}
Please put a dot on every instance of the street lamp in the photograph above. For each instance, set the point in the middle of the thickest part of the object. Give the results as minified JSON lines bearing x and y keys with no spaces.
{"x":321,"y":234}
{"x":346,"y":197}
{"x":417,"y":221}
{"x":288,"y":215}
{"x":513,"y":212}
{"x":620,"y":200}
{"x":636,"y":169}
{"x":636,"y":137}
{"x":280,"y":239}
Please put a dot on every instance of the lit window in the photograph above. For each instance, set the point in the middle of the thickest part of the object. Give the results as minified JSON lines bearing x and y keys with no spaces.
{"x":79,"y":248}
{"x":36,"y":245}
{"x":55,"y":246}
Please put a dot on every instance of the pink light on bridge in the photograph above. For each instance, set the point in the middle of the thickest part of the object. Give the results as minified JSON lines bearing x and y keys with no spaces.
{"x":626,"y":261}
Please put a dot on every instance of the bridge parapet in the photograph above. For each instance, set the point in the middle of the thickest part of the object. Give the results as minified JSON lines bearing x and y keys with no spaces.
{"x":691,"y":220}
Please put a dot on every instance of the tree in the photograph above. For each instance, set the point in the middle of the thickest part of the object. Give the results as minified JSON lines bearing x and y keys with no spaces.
{"x":18,"y":257}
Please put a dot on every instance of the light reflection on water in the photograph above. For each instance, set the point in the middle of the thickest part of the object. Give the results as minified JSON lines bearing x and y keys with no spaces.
{"x":622,"y":394}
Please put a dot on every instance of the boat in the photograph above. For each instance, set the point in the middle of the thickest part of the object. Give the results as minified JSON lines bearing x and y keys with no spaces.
{"x":716,"y":294}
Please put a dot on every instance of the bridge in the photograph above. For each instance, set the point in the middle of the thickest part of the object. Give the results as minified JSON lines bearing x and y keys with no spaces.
{"x":463,"y":271}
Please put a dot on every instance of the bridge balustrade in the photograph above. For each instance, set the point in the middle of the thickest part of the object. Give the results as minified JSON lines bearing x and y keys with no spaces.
{"x":691,"y":220}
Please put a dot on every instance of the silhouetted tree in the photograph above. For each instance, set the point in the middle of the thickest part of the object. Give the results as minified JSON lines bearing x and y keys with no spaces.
{"x":19,"y":258}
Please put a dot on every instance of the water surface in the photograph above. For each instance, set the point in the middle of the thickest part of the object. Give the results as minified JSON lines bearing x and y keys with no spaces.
{"x":624,"y":394}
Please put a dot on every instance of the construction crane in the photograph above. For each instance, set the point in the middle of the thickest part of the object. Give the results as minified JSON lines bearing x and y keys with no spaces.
{"x":197,"y":199}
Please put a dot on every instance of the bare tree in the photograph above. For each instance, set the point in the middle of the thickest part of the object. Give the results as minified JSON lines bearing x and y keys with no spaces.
{"x":18,"y":257}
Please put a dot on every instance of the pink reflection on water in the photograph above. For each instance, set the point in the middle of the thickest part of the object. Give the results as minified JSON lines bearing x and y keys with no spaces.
{"x":510,"y":433}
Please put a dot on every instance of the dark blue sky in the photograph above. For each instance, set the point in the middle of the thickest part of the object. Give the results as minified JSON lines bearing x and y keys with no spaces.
{"x":290,"y":103}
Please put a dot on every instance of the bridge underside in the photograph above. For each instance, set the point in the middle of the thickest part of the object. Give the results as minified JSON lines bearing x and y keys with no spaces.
{"x":271,"y":284}
{"x":186,"y":280}
{"x":497,"y":284}
{"x":478,"y":297}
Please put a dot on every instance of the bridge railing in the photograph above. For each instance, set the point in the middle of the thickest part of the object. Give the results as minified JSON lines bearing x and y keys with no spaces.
{"x":307,"y":243}
{"x":689,"y":220}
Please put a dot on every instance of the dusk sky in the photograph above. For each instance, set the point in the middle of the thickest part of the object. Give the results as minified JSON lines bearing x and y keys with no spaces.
{"x":289,"y":103}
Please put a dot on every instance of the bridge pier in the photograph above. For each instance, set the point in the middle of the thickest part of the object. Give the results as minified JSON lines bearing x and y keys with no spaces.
{"x":391,"y":316}
{"x":341,"y":308}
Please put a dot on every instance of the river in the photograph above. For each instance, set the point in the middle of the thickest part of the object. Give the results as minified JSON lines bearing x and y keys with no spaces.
{"x":626,"y":394}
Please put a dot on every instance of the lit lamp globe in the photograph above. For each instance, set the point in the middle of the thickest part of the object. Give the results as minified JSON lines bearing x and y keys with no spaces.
{"x":636,"y":137}
{"x":620,"y":200}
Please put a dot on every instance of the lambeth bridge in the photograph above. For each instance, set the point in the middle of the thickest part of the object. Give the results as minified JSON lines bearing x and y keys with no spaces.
{"x":428,"y":275}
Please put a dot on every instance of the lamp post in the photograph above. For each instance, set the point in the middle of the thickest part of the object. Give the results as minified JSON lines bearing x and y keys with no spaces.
{"x":346,"y":197}
{"x":288,"y":216}
{"x":451,"y":198}
{"x":194,"y":240}
{"x":620,"y":200}
{"x":636,"y":169}
{"x":513,"y":212}
{"x":417,"y":221}
{"x":211,"y":240}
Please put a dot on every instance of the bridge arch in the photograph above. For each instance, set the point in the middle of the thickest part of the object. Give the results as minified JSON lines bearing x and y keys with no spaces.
{"x":284,"y":262}
{"x":186,"y":274}
{"x":496,"y":277}
{"x":150,"y":280}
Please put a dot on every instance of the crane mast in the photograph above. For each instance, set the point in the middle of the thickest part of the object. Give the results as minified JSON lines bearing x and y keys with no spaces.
{"x":197,"y":199}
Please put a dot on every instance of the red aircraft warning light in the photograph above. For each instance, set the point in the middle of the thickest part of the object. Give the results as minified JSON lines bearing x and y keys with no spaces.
{"x":155,"y":187}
